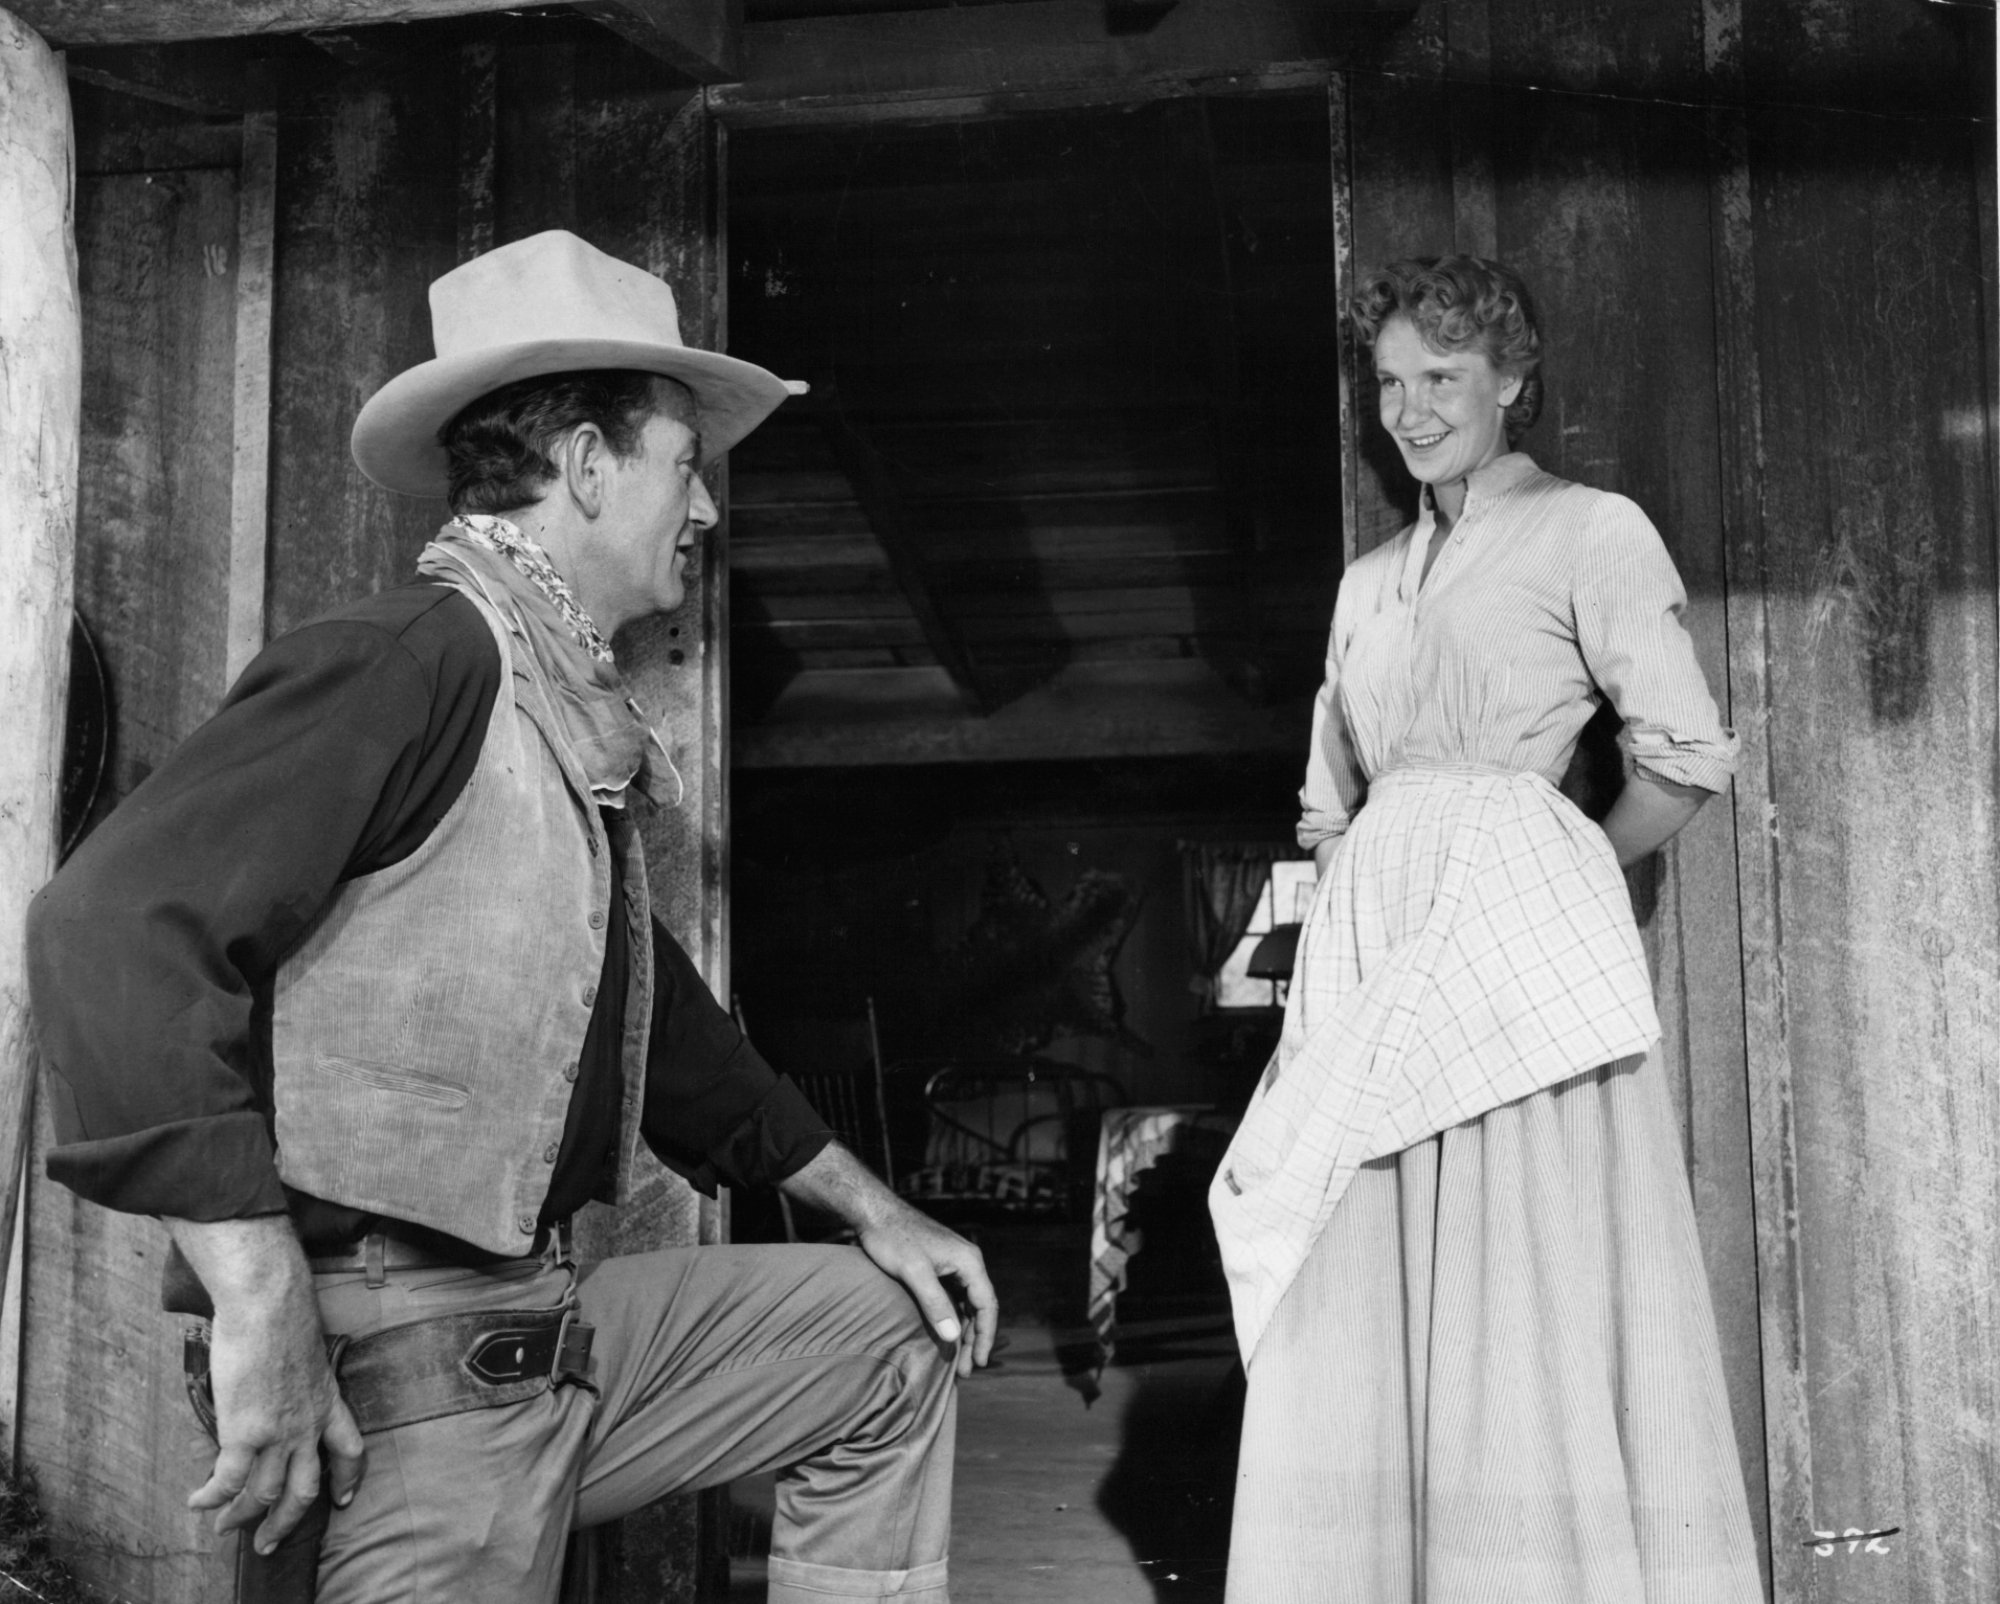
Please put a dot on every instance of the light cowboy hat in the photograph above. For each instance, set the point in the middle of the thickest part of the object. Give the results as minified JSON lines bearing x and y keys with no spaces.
{"x":547,"y":304}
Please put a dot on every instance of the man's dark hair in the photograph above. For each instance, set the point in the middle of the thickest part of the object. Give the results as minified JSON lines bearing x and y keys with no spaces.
{"x":499,"y":449}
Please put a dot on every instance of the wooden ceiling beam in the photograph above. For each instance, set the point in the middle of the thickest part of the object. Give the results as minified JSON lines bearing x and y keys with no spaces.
{"x":1158,"y":708}
{"x":882,"y":504}
{"x":208,"y":83}
{"x":163,"y":22}
{"x":964,"y":60}
{"x":701,"y":39}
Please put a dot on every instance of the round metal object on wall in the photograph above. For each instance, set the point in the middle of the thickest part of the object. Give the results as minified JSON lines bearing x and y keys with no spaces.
{"x":87,"y":735}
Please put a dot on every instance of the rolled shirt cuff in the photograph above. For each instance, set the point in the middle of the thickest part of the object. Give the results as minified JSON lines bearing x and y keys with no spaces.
{"x":221,"y":1167}
{"x":1315,"y":828}
{"x":774,"y":1141}
{"x":793,"y":1582}
{"x":1704,"y":764}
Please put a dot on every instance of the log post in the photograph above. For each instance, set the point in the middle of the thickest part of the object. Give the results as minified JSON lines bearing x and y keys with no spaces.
{"x":40,"y":389}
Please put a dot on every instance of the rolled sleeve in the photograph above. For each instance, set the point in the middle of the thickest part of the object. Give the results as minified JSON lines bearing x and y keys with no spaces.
{"x":715,"y":1112}
{"x":219,"y":1168}
{"x":1629,"y":599}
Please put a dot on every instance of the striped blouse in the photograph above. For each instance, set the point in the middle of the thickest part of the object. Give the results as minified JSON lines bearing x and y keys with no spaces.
{"x":1546,"y":597}
{"x":1472,"y":941}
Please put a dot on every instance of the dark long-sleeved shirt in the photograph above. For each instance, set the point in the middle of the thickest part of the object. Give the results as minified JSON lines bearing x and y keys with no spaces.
{"x":152,"y":953}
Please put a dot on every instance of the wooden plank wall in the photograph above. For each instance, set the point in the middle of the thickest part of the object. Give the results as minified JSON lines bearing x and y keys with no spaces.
{"x":1878,"y":1152}
{"x":103,"y":1421}
{"x":384,"y":185}
{"x":381,"y":184}
{"x":1761,"y":273}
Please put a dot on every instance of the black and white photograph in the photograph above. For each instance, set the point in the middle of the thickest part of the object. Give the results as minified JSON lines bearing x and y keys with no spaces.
{"x":999,"y":802}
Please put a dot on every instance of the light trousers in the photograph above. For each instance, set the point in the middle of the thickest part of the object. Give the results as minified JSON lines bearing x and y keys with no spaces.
{"x":709,"y":1364}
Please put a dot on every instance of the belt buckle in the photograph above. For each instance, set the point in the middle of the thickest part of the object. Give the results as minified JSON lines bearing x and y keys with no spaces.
{"x":574,"y":1338}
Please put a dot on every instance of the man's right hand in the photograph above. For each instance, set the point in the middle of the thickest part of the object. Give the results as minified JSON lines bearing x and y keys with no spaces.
{"x":276,"y":1401}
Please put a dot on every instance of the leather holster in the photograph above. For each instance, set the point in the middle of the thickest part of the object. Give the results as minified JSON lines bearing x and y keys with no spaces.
{"x":399,"y":1376}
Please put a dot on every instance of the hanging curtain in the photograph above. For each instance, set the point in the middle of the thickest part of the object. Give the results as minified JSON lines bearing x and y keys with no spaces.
{"x":1220,"y":885}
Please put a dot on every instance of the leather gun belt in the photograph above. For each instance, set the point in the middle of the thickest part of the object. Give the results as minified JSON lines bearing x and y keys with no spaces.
{"x":444,"y":1365}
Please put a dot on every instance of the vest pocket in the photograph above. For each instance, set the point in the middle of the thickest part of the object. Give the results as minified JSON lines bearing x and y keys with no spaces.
{"x":393,"y":1078}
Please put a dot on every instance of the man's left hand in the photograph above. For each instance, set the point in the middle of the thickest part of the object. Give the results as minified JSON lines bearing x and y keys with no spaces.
{"x":907,"y":1244}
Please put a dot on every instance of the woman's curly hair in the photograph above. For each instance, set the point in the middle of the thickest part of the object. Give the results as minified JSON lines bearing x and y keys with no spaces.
{"x":1461,"y":303}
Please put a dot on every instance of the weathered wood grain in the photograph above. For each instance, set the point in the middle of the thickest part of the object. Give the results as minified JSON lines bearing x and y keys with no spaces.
{"x":478,"y":147}
{"x":1403,"y":206}
{"x":367,"y":216}
{"x":40,"y":386}
{"x":1923,"y":61}
{"x":122,"y":22}
{"x":250,"y":481}
{"x":103,"y":1420}
{"x":1875,"y":555}
{"x":1768,"y":1061}
{"x":1469,"y":65}
{"x":1649,"y":51}
{"x":1347,"y":345}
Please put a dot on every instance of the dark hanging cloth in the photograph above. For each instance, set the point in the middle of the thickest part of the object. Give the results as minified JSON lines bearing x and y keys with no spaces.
{"x":1220,"y":885}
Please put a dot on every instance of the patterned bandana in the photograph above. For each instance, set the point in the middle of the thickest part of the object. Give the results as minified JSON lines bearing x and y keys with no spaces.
{"x":536,"y":568}
{"x":607,"y":732}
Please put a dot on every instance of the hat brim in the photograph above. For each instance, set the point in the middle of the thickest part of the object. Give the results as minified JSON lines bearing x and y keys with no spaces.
{"x":395,"y":441}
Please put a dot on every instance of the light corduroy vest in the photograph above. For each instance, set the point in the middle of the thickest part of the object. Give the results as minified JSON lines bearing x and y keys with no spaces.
{"x":426,"y":1034}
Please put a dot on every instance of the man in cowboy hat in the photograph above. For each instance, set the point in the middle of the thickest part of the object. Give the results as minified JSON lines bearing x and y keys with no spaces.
{"x":361,"y":994}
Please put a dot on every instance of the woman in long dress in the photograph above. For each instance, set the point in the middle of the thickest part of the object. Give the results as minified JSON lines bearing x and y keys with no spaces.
{"x":1482,"y":1358}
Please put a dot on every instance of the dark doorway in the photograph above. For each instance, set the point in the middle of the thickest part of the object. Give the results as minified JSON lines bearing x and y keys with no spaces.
{"x":1031,"y":589}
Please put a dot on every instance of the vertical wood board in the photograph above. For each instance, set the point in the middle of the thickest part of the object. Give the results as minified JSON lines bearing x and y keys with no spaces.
{"x":250,"y":492}
{"x":367,"y":216}
{"x":1340,"y":145}
{"x":1400,"y":155}
{"x":1923,"y":60}
{"x":1644,"y":51}
{"x":1876,"y":555}
{"x":103,"y":1420}
{"x":40,"y":388}
{"x":159,"y":258}
{"x":478,"y":147}
{"x":1469,"y":66}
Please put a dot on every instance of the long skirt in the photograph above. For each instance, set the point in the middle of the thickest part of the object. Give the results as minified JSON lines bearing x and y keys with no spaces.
{"x":1496,"y":1378}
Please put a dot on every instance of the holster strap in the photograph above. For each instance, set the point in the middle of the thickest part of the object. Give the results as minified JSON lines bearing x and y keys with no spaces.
{"x":441,"y":1366}
{"x":454,"y":1362}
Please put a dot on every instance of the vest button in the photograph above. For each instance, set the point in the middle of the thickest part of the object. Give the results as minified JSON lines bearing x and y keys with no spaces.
{"x":597,"y":921}
{"x":589,"y":995}
{"x":549,"y":1154}
{"x":527,"y":1224}
{"x":569,"y":1072}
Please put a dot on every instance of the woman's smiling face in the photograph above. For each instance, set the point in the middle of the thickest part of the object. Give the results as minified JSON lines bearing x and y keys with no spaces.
{"x":1446,"y":410}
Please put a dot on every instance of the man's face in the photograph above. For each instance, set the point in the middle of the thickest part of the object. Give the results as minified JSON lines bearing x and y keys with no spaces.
{"x":656,"y":507}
